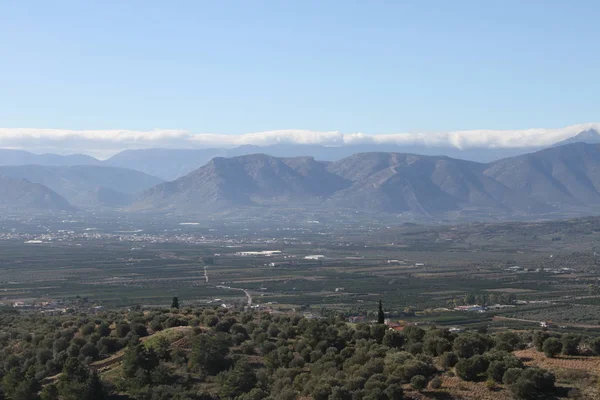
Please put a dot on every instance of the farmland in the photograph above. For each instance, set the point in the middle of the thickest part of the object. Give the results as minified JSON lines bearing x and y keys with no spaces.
{"x":421,"y":272}
{"x":437,"y":283}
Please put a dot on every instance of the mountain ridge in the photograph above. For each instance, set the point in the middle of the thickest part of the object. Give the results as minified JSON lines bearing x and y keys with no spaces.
{"x":86,"y":186}
{"x":170,"y":164}
{"x":391,"y":182}
{"x":20,"y":195}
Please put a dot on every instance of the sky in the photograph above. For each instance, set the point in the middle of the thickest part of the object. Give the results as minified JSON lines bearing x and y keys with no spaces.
{"x":93,"y":72}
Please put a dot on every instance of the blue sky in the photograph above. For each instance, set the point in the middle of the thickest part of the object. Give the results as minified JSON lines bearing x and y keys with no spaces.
{"x":233,"y":67}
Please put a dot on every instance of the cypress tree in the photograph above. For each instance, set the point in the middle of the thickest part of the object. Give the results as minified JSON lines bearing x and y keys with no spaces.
{"x":175,"y":303}
{"x":380,"y":314}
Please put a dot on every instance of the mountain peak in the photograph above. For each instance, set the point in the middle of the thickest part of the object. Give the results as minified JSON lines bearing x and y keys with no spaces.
{"x":591,"y":136}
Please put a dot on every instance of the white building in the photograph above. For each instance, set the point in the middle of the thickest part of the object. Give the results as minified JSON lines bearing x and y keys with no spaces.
{"x":264,"y":253}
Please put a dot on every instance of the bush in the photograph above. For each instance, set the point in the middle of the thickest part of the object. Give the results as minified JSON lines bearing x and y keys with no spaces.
{"x":472,"y":369}
{"x":103,"y":329}
{"x":415,"y":348}
{"x":523,"y":389}
{"x":139,"y":330}
{"x":394,"y":392}
{"x":511,"y":376}
{"x":552,"y":347}
{"x":436,"y":383}
{"x":539,"y":337}
{"x":418,"y":382}
{"x":531,"y":384}
{"x":542,"y":379}
{"x":496,"y":370}
{"x":448,"y":360}
{"x":507,"y":341}
{"x":570,"y":344}
{"x":490,"y":385}
{"x":89,"y":350}
{"x":393,"y":339}
{"x":413,"y":368}
{"x":122,"y":329}
{"x":468,"y":345}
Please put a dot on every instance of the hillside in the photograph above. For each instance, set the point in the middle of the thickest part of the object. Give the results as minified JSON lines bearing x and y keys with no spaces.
{"x":21,"y":157}
{"x":167,"y":164}
{"x":170,"y":164}
{"x":22,"y":195}
{"x":86,"y":186}
{"x":561,"y":176}
{"x":245,"y":181}
{"x":590,"y":136}
{"x":419,"y":184}
{"x":560,"y":179}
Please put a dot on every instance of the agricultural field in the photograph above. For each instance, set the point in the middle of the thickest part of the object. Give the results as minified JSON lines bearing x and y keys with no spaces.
{"x":549,"y":271}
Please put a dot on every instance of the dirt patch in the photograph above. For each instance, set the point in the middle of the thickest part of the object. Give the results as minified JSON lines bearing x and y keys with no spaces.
{"x":453,"y":388}
{"x":535,"y":358}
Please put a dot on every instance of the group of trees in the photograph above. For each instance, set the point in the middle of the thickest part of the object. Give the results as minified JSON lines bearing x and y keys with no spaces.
{"x":253,"y":356}
{"x":567,"y":344}
{"x":484,"y":299}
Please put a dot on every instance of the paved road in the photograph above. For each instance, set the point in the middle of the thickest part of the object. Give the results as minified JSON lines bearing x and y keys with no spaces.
{"x":246,"y":292}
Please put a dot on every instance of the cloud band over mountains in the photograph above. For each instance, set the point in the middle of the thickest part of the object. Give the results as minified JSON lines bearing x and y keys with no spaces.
{"x":107,"y":142}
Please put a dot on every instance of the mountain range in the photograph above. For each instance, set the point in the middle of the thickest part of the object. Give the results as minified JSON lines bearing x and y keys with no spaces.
{"x":18,"y":195}
{"x":563,"y":179}
{"x":170,"y":164}
{"x":82,"y":186}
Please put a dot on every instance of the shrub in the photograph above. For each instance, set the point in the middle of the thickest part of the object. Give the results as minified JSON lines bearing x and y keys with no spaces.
{"x":531,"y":384}
{"x":570,"y":344}
{"x":507,"y":341}
{"x":436,"y":383}
{"x":448,"y":360}
{"x":552,"y":347}
{"x":468,"y":345}
{"x":490,"y":385}
{"x":539,"y":337}
{"x":393,"y":339}
{"x":418,"y":382}
{"x":472,"y":369}
{"x":415,"y":348}
{"x":496,"y":371}
{"x":511,"y":375}
{"x":122,"y":329}
{"x":523,"y":389}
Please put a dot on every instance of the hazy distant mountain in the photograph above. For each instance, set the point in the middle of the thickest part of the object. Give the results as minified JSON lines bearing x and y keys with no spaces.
{"x":86,"y":186}
{"x":590,"y":136}
{"x":560,"y":176}
{"x":21,"y":195}
{"x":245,"y":181}
{"x":20,"y":157}
{"x":394,"y":182}
{"x":170,"y":164}
{"x":561,"y":179}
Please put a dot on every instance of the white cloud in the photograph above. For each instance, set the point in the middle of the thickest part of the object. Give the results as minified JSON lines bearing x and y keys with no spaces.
{"x":106,"y":142}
